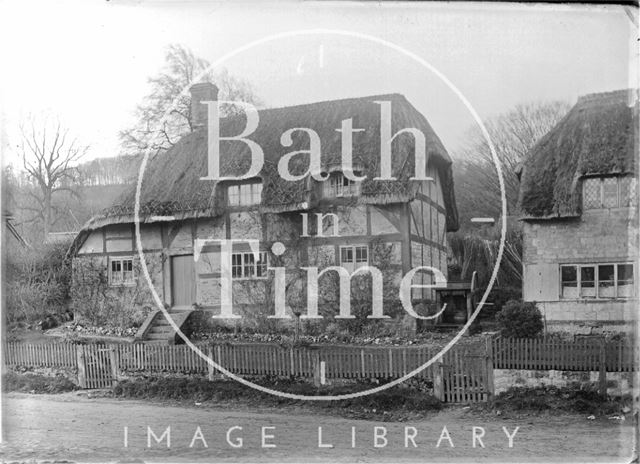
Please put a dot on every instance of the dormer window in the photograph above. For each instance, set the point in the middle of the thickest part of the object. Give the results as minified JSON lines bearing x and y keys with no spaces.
{"x":245,"y":194}
{"x":608,"y":192}
{"x":338,"y":185}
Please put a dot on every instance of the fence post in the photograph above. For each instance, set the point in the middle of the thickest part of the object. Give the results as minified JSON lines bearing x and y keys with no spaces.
{"x":489,"y":368}
{"x":82,"y":374}
{"x":115,"y":364}
{"x":316,"y":369}
{"x":438,"y":385}
{"x":210,"y":370}
{"x":602,"y":377}
{"x":292,"y":363}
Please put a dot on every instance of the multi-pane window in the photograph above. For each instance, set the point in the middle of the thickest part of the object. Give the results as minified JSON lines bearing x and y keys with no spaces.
{"x":587,"y":282}
{"x":245,"y":194}
{"x":608,"y":192}
{"x":354,"y":256}
{"x":624,"y":280}
{"x":121,"y":271}
{"x":610,"y":280}
{"x":627,"y":190}
{"x":340,"y":186}
{"x":569,"y":277}
{"x":245,"y":266}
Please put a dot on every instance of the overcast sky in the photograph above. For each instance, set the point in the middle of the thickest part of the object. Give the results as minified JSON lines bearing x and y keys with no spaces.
{"x":89,"y":61}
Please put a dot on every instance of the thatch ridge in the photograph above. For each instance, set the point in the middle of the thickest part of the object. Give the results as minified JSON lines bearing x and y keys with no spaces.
{"x":598,"y":136}
{"x":172,"y":185}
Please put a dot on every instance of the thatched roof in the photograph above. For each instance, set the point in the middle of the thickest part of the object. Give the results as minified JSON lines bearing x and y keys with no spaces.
{"x":172,"y":185}
{"x":598,"y":136}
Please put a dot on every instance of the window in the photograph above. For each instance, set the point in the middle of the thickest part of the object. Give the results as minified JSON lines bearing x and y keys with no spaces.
{"x":624,"y":280}
{"x":627,"y":188}
{"x":340,"y":186}
{"x":245,"y":266}
{"x":354,"y":256}
{"x":244,"y":194}
{"x":587,"y":281}
{"x":569,"y":282}
{"x":121,"y":271}
{"x":346,"y":255}
{"x":608,"y":192}
{"x":608,"y":280}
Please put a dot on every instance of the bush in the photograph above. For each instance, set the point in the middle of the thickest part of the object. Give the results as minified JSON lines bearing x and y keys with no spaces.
{"x":38,"y":282}
{"x":498,"y":297}
{"x":520,"y":320}
{"x":95,"y":303}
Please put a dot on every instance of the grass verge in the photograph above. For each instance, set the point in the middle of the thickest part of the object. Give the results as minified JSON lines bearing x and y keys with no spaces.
{"x":572,"y":399}
{"x":36,"y":383}
{"x":396,"y":403}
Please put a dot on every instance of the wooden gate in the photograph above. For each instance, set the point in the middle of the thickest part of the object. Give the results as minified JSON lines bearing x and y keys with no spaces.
{"x":96,"y":365}
{"x":465,"y":375}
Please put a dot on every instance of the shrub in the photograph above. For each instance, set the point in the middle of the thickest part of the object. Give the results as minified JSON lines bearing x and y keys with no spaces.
{"x":520,"y":320}
{"x":96,"y":303}
{"x":498,"y":297}
{"x":38,"y":281}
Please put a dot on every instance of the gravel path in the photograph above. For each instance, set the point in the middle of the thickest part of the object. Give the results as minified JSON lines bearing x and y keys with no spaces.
{"x":74,"y":427}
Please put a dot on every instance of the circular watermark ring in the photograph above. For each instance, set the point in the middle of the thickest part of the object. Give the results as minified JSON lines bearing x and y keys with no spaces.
{"x":494,"y":274}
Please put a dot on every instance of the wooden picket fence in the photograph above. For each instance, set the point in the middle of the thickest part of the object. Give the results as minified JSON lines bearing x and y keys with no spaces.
{"x":462,"y":374}
{"x":550,"y":353}
{"x":60,"y":355}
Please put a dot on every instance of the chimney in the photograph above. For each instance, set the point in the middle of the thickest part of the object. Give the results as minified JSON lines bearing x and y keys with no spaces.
{"x":203,"y":91}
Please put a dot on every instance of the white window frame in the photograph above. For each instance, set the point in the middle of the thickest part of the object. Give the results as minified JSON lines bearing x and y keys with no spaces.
{"x":118,"y":279}
{"x":243,"y":260}
{"x":339,"y":186}
{"x":354,"y":263}
{"x":597,"y":295}
{"x":244,"y":194}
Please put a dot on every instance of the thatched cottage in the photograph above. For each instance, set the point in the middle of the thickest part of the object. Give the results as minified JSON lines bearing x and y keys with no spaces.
{"x":394,"y":225}
{"x":580,"y":210}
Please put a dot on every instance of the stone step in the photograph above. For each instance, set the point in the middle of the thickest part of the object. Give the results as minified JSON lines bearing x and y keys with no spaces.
{"x":158,"y":329}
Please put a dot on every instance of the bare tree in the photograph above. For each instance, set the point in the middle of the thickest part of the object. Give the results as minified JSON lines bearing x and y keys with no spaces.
{"x":150,"y":131}
{"x":513,"y":134}
{"x":48,"y":154}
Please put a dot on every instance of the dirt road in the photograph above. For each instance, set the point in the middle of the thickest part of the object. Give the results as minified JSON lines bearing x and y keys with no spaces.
{"x":74,"y":427}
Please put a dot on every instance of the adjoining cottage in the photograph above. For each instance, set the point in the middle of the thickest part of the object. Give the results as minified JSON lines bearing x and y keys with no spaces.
{"x":580,"y":211}
{"x":394,"y":225}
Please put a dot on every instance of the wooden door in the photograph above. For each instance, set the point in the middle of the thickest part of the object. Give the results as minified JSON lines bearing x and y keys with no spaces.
{"x":183,"y":282}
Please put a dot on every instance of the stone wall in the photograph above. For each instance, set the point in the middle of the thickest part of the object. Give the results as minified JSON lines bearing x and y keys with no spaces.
{"x":618,"y":383}
{"x":599,"y":236}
